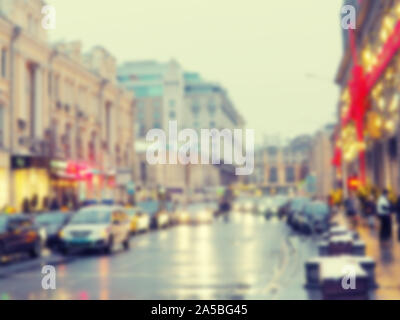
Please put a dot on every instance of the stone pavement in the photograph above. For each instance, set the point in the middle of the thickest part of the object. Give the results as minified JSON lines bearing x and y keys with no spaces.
{"x":386,"y":255}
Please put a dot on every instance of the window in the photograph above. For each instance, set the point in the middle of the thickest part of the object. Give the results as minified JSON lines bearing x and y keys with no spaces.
{"x":142,"y":130}
{"x":156,"y":104}
{"x":1,"y":126}
{"x":172,"y":103}
{"x":289,"y":174}
{"x":172,"y":114}
{"x":196,"y":108}
{"x":157,"y":125}
{"x":211,"y":106}
{"x":4,"y":63}
{"x":273,"y":175}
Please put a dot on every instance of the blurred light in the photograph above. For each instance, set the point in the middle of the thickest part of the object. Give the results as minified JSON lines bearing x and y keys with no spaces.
{"x":389,"y":125}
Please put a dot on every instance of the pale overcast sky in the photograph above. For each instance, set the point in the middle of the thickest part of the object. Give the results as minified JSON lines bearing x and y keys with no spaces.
{"x":260,"y":50}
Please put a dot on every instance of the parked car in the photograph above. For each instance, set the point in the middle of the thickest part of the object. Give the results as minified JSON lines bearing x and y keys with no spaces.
{"x":158,"y":218}
{"x":52,"y":223}
{"x":19,"y":234}
{"x":96,"y":227}
{"x":317,"y":215}
{"x":140,"y":221}
{"x":281,"y":204}
{"x":271,"y":208}
{"x":296,"y":212}
{"x":161,"y":219}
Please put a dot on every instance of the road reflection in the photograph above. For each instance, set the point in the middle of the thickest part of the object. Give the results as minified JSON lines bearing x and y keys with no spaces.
{"x":235,"y":257}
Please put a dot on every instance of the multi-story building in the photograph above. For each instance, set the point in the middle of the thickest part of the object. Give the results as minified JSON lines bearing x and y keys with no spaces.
{"x":165,"y":92}
{"x":280,"y":168}
{"x":321,"y":161}
{"x":368,"y":114}
{"x":207,"y":105}
{"x":66,"y":127}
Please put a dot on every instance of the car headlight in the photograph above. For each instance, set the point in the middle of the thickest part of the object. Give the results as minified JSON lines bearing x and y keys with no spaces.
{"x":203,"y":215}
{"x":104,"y":233}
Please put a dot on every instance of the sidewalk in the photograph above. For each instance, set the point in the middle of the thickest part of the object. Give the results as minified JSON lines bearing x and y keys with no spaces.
{"x":387,"y":257}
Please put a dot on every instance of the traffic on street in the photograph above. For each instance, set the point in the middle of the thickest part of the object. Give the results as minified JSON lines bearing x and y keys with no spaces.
{"x":241,"y":254}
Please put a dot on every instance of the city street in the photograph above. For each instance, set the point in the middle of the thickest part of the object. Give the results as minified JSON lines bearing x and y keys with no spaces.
{"x":243,"y":256}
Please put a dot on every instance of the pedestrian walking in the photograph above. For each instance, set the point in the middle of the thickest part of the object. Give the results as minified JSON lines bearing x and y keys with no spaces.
{"x":384,"y":209}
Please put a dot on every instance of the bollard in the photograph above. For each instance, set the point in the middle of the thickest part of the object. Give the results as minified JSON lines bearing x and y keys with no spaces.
{"x":358,"y":248}
{"x":323,"y":248}
{"x":332,"y":277}
{"x":312,"y":273}
{"x":368,"y":266}
{"x":339,"y":245}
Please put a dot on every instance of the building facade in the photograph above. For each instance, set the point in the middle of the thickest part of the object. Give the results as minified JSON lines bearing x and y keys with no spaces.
{"x":321,"y":162}
{"x":66,"y":127}
{"x":368,"y":108}
{"x":282,"y":168}
{"x":164,"y":92}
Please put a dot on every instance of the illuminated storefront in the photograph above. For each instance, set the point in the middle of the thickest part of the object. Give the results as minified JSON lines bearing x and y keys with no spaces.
{"x":31,"y":181}
{"x":81,"y":181}
{"x":4,"y":180}
{"x":369,"y":103}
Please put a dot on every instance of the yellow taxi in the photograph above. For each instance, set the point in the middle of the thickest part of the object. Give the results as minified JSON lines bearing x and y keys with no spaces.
{"x":140,"y":221}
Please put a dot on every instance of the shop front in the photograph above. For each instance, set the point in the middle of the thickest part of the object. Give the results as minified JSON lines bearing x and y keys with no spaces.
{"x":4,"y":180}
{"x":74,"y":182}
{"x":125,"y":187}
{"x":31,"y":182}
{"x":370,"y":106}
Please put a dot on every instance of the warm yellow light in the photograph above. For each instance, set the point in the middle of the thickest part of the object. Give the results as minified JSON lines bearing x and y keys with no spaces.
{"x":367,"y":58}
{"x":383,"y":35}
{"x":362,"y":146}
{"x":381,"y":103}
{"x":345,"y":95}
{"x":388,"y":23}
{"x":389,"y":74}
{"x":394,"y":103}
{"x":378,"y":122}
{"x":389,"y":125}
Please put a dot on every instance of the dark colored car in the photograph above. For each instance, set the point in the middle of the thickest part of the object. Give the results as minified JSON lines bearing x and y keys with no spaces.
{"x":317,"y":214}
{"x":53,"y":222}
{"x":296,"y":211}
{"x":19,"y":234}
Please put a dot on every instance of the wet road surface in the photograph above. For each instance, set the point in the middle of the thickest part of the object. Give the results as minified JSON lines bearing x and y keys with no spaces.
{"x":242,"y":257}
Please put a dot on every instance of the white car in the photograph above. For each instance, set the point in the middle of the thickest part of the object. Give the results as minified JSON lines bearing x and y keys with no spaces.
{"x":162,"y":219}
{"x":140,"y":221}
{"x":143,"y":222}
{"x":96,"y":227}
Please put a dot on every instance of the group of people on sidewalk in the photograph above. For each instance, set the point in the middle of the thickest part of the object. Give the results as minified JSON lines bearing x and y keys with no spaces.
{"x":370,"y":209}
